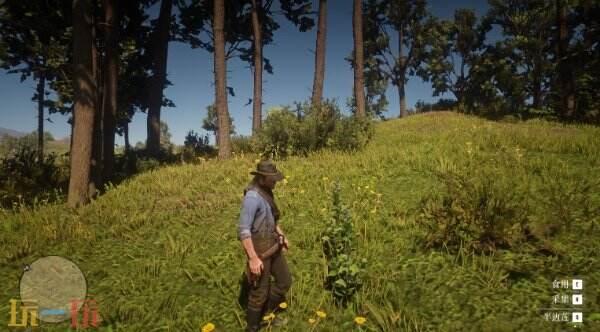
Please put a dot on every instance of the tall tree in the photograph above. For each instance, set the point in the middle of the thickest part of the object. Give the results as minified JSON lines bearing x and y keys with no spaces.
{"x":109,"y":103}
{"x":221,"y":79}
{"x":258,"y":61}
{"x":565,"y":79}
{"x":84,"y":100}
{"x":34,"y":42}
{"x":526,"y":26}
{"x":453,"y":46}
{"x":159,"y":54}
{"x":319,"y":78}
{"x":410,"y":20}
{"x":359,"y":85}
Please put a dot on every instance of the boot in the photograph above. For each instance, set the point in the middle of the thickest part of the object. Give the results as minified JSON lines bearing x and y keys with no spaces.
{"x":253,"y":319}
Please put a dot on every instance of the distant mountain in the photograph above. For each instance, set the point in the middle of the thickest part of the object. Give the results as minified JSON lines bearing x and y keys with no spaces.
{"x":10,"y":132}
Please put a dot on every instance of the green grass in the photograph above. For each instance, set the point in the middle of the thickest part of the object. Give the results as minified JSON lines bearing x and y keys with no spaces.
{"x":160,"y":250}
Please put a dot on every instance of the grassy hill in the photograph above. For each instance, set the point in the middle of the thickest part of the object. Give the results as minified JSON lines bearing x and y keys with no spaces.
{"x":160,"y":251}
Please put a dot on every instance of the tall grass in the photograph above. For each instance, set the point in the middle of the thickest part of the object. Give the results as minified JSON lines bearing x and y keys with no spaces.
{"x":160,"y":250}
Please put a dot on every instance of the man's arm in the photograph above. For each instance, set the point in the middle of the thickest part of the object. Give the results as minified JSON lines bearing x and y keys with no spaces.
{"x":249,"y":207}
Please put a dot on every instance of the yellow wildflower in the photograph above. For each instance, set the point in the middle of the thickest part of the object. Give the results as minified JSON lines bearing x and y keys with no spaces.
{"x":321,"y":314}
{"x":311,"y":320}
{"x":302,"y":191}
{"x":283,"y":305}
{"x":360,"y":320}
{"x":366,"y":187}
{"x":269,"y":316}
{"x":325,"y":178}
{"x":209,"y":327}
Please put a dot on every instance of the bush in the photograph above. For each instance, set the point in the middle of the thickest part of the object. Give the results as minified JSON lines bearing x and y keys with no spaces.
{"x":196,"y":146}
{"x":344,"y":271}
{"x":286,"y":132}
{"x":26,"y":180}
{"x":475,"y":215}
{"x":244,"y":144}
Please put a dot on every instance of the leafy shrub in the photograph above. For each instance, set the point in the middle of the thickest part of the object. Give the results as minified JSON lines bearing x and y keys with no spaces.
{"x":136,"y":160}
{"x":244,"y":144}
{"x":474,"y":214}
{"x":25,"y":179}
{"x":350,"y":134}
{"x":195,"y":146}
{"x":310,"y":128}
{"x":344,"y":270}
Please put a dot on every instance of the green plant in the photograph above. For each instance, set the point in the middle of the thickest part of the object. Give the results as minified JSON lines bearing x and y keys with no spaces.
{"x":473,"y":213}
{"x":344,"y":270}
{"x":24,"y":179}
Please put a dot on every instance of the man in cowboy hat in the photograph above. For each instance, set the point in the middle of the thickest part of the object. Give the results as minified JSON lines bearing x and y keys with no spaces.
{"x":263,"y":241}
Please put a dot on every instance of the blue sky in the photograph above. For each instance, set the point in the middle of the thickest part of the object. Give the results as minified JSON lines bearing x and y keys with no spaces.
{"x":190,"y":71}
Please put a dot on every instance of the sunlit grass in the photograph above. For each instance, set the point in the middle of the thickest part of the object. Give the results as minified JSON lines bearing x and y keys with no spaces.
{"x":160,"y":250}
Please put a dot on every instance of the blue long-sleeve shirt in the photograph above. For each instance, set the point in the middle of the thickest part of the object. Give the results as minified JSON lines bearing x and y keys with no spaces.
{"x":255,"y":216}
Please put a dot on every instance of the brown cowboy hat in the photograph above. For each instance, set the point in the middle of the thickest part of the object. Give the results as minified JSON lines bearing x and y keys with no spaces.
{"x":267,"y":168}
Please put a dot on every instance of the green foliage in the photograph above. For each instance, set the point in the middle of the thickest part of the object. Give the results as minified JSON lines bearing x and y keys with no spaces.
{"x":285,"y":132}
{"x":11,"y":144}
{"x":473,"y":214}
{"x":244,"y":144}
{"x":345,"y":271}
{"x":24,"y":179}
{"x":147,"y":257}
{"x":196,"y":146}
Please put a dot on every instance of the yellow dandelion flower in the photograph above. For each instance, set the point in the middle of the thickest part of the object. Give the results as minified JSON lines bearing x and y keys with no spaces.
{"x":321,"y":314}
{"x":360,"y":320}
{"x":302,"y":191}
{"x":283,"y":305}
{"x":209,"y":327}
{"x":312,"y":320}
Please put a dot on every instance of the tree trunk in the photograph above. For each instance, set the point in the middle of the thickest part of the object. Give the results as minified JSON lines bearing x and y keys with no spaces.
{"x":96,"y":159}
{"x":109,"y":104}
{"x":258,"y":62}
{"x":221,"y":79}
{"x":126,"y":137}
{"x":565,"y":77}
{"x":359,"y":86}
{"x":84,"y":104}
{"x":402,"y":76}
{"x":157,"y":84}
{"x":40,"y":99}
{"x":537,"y":87}
{"x":317,"y":93}
{"x":402,"y":97}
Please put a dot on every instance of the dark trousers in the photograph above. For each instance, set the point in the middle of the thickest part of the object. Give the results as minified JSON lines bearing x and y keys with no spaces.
{"x":277,"y":267}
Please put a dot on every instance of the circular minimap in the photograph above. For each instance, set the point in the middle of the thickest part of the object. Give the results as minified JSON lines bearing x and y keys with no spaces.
{"x":53,"y":284}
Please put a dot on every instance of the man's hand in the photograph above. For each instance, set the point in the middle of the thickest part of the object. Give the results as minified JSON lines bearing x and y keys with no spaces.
{"x":256,"y":265}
